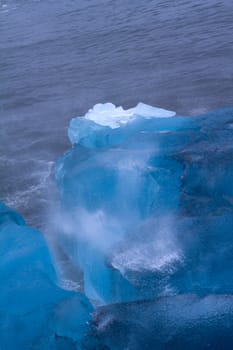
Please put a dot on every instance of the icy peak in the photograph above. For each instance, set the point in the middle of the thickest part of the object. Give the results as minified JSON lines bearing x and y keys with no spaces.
{"x":107,"y":114}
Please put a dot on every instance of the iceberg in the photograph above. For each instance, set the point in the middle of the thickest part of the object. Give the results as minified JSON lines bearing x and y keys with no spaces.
{"x":147,"y":202}
{"x":35,"y":312}
{"x":146,"y":216}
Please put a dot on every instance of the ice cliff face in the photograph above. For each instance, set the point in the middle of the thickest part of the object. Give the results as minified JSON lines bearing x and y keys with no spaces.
{"x":147,"y":199}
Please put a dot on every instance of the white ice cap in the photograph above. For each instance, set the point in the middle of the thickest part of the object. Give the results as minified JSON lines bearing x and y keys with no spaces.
{"x":108,"y":114}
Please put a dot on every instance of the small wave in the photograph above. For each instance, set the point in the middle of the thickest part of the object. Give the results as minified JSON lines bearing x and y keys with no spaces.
{"x":24,"y":195}
{"x":68,"y":284}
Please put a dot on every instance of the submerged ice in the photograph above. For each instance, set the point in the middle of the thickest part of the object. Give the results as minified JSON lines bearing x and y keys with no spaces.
{"x":146,"y":219}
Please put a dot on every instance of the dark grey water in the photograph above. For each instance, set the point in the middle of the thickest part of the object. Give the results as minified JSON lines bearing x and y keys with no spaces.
{"x":58,"y":58}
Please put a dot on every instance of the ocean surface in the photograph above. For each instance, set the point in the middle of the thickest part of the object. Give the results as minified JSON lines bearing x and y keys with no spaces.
{"x":59,"y":58}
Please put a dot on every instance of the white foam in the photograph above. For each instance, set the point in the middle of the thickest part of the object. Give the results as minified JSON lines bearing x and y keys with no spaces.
{"x":160,"y":251}
{"x":147,"y":257}
{"x":107,"y":114}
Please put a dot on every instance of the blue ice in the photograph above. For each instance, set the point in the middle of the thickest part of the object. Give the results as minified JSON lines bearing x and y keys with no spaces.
{"x":147,"y":216}
{"x":147,"y":202}
{"x":35,"y":312}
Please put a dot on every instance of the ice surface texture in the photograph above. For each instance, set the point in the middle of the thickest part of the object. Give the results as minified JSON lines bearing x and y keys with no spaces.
{"x":147,"y":202}
{"x":35,"y":313}
{"x":169,"y":323}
